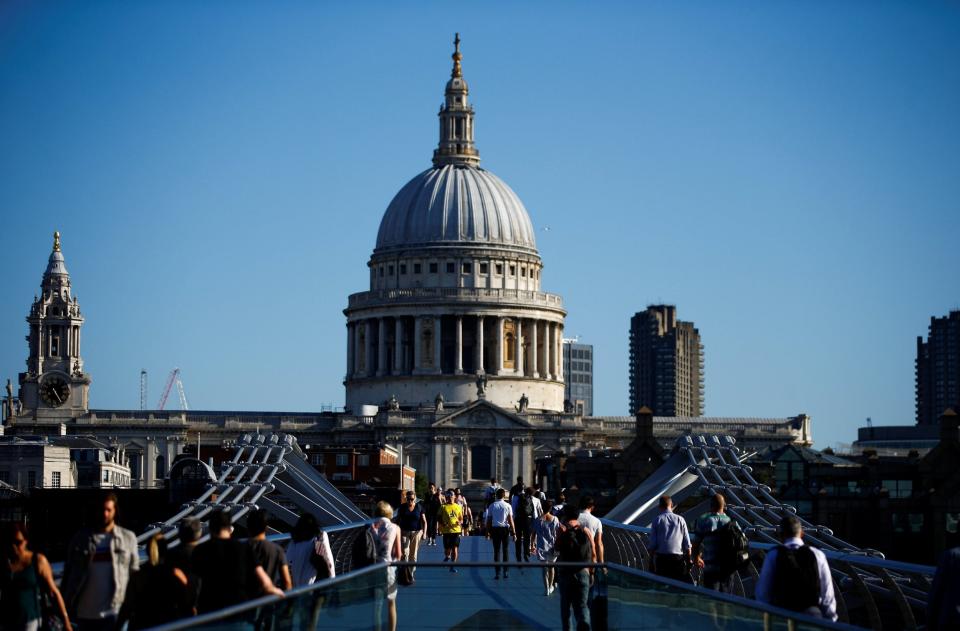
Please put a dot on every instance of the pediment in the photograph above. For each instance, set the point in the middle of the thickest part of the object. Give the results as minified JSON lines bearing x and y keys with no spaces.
{"x":483,"y":415}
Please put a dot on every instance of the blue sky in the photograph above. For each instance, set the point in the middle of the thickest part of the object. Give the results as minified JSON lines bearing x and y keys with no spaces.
{"x":785,"y":173}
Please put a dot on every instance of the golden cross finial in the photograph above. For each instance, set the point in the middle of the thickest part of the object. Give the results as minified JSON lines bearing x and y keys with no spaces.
{"x":457,"y":72}
{"x":56,"y":241}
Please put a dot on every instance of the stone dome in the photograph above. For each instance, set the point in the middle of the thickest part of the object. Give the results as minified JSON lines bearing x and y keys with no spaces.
{"x":456,"y":204}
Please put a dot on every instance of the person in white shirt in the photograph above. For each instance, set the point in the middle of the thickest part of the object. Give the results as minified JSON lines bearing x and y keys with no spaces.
{"x":500,"y":526}
{"x":387,"y":535}
{"x":797,"y":577}
{"x":589,"y":521}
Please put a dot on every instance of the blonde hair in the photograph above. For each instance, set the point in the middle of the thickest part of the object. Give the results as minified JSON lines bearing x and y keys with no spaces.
{"x":156,"y":547}
{"x":384,"y":510}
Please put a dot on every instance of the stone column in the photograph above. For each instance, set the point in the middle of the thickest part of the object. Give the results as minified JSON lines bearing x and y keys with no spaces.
{"x":435,"y":457}
{"x":398,"y":346}
{"x":517,"y":346}
{"x":479,"y":344}
{"x":368,"y":343}
{"x":150,"y":463}
{"x":559,"y":352}
{"x":351,"y":351}
{"x":546,"y":351}
{"x":499,"y":327}
{"x":458,"y":350}
{"x":534,"y":368}
{"x":437,"y":346}
{"x":447,"y":462}
{"x":382,"y":347}
{"x":357,"y":347}
{"x":417,"y":335}
{"x":515,"y":463}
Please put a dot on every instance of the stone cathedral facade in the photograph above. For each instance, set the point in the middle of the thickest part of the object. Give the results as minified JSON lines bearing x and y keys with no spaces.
{"x":454,"y":354}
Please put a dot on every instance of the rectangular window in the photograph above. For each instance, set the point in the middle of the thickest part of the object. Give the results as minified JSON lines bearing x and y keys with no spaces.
{"x":390,"y":270}
{"x":316,"y":459}
{"x":417,"y":268}
{"x":451,"y":268}
{"x":403,"y":268}
{"x":499,"y":268}
{"x":363,"y":460}
{"x":433,"y":268}
{"x":55,"y":479}
{"x":106,"y":476}
{"x":523,"y":272}
{"x":484,"y":268}
{"x":381,"y":271}
{"x":343,"y":460}
{"x":31,"y":479}
{"x":513,"y":270}
{"x":467,"y":268}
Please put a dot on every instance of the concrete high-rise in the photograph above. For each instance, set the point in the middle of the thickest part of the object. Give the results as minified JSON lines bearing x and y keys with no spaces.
{"x":938,"y":369}
{"x":578,"y":370}
{"x":666,"y":363}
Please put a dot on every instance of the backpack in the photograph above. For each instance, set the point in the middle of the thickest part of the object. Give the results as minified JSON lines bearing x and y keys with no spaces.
{"x":524,"y":510}
{"x":733,"y":547}
{"x":796,"y":579}
{"x":364,"y":549}
{"x":573,"y":545}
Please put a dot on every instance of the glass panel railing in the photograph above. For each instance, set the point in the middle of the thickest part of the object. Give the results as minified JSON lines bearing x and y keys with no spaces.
{"x":353,"y":601}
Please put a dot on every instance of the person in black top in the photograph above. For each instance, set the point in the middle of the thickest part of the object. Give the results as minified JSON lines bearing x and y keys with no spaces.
{"x":431,"y":505}
{"x":229,"y":572}
{"x":413,"y":526}
{"x":267,"y":553}
{"x":517,"y":489}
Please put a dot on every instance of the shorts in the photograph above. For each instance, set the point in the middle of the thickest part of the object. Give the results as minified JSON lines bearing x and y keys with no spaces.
{"x":451,"y":540}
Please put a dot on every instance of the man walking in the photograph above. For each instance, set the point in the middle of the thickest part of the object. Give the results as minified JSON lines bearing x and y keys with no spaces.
{"x":796,"y":576}
{"x":431,"y":506}
{"x":413,"y":526}
{"x":229,"y":572}
{"x":100,"y":560}
{"x":517,"y":488}
{"x":670,"y":543}
{"x":575,"y":544}
{"x":268,"y":555}
{"x":499,"y":527}
{"x":450,"y":522}
{"x":590,"y":522}
{"x":705,"y":547}
{"x":490,"y":494}
{"x":526,"y":509}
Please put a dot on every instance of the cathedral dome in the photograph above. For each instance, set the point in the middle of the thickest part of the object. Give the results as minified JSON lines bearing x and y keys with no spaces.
{"x":455,"y":204}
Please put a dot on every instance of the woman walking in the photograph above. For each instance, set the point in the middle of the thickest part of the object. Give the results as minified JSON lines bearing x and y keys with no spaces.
{"x":545,"y":539}
{"x":23,"y":579}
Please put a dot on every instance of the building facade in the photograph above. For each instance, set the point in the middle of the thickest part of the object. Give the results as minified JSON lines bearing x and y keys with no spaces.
{"x":578,"y":370}
{"x":455,"y":289}
{"x":454,"y":354}
{"x":938,"y":369}
{"x":666,"y":363}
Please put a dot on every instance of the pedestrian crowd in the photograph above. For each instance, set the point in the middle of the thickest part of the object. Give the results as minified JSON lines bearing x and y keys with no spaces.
{"x":106,"y":585}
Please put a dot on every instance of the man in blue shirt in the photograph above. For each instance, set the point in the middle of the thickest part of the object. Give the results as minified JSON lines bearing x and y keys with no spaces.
{"x":670,"y":543}
{"x":797,"y":577}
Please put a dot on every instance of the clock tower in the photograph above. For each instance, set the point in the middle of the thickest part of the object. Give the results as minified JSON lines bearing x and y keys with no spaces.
{"x":54,"y":386}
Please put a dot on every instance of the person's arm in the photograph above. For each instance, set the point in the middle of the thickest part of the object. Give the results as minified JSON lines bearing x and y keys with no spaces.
{"x":598,"y":543}
{"x":654,"y":538}
{"x":762,"y":591}
{"x":134,"y":554}
{"x":513,"y":529}
{"x":397,"y":552}
{"x":828,"y":600}
{"x":46,"y":575}
{"x":328,"y":555}
{"x":285,"y":577}
{"x":266,"y":585}
{"x":423,"y":523}
{"x":489,"y":523}
{"x":685,"y":541}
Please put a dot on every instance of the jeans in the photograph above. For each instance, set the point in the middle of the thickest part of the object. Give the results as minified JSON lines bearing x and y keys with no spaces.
{"x":714,"y":579}
{"x":574,"y":590}
{"x":523,"y":543}
{"x":500,"y":537}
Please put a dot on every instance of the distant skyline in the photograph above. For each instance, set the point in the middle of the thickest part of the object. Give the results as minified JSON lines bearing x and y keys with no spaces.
{"x":785,"y":174}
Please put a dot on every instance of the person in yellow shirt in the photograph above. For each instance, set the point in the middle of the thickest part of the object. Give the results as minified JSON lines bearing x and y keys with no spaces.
{"x":450,"y":524}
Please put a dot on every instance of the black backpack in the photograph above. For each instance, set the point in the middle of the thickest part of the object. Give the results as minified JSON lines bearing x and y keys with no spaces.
{"x":524,"y":510}
{"x":573,"y":545}
{"x":733,"y":547}
{"x":364,"y":549}
{"x":796,"y":579}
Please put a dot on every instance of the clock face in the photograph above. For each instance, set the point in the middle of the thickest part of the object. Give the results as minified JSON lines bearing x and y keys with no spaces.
{"x":55,"y":391}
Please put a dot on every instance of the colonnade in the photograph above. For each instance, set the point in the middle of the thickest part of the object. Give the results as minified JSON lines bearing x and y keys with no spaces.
{"x":455,"y":344}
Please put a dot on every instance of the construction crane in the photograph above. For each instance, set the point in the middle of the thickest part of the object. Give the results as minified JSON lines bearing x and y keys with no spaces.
{"x":173,"y":378}
{"x":143,"y":389}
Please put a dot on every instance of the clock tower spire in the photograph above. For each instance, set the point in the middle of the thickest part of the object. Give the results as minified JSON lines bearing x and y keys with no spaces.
{"x":54,"y":386}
